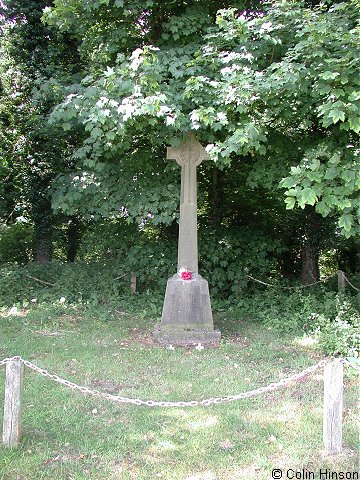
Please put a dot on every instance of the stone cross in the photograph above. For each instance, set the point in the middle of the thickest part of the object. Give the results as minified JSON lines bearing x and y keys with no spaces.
{"x":187,"y":318}
{"x":188,"y":156}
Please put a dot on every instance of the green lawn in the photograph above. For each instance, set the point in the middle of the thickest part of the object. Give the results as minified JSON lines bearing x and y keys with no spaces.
{"x":70,"y":436}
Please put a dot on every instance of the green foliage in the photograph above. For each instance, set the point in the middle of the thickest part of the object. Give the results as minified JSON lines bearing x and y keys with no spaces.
{"x":148,"y":253}
{"x":333,"y":321}
{"x":339,"y":334}
{"x":146,"y":192}
{"x":281,"y":88}
{"x":332,"y":179}
{"x":16,"y":243}
{"x":286,"y":106}
{"x":100,"y":289}
{"x":227,"y":255}
{"x":35,"y":63}
{"x":287,"y":311}
{"x":275,"y":97}
{"x":88,"y":284}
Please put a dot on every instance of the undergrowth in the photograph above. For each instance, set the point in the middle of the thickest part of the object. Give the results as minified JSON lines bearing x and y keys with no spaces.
{"x":332,"y":319}
{"x":100,"y":289}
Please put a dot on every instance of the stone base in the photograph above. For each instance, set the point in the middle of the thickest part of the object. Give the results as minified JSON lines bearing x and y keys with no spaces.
{"x":187,"y":338}
{"x":187,"y":317}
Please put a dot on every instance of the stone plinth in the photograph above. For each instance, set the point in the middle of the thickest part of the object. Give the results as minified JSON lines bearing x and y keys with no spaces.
{"x":187,"y":318}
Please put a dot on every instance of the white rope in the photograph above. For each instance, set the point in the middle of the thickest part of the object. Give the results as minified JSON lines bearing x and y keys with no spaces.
{"x":351,"y":285}
{"x":289,"y":288}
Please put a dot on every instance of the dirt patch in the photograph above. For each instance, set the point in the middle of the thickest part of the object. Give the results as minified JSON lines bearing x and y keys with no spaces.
{"x":107,"y":385}
{"x":140,"y":337}
{"x":238,"y":339}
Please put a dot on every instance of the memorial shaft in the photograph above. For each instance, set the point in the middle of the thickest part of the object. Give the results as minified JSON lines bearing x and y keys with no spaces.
{"x":188,"y":156}
{"x":187,"y":242}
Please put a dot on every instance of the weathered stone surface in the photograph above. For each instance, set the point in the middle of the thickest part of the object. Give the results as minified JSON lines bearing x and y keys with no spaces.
{"x":187,"y":303}
{"x":185,"y":338}
{"x":188,"y":156}
{"x":187,"y":317}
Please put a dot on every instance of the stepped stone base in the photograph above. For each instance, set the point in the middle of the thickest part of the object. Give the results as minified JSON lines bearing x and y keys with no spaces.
{"x":187,"y":317}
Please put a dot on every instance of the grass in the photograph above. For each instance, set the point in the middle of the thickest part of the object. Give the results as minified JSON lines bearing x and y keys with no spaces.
{"x":70,"y":436}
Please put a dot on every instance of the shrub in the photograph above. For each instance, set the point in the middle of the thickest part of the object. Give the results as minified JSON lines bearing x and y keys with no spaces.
{"x":16,"y":243}
{"x":332,"y":319}
{"x":287,"y":311}
{"x":339,"y":335}
{"x":151,"y":253}
{"x":77,"y":282}
{"x":227,"y":255}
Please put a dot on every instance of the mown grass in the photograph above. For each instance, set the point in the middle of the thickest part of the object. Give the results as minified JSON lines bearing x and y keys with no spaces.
{"x":70,"y":436}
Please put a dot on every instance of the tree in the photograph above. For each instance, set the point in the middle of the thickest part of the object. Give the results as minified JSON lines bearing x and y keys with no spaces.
{"x":294,"y":107}
{"x":290,"y":96}
{"x":35,"y":58}
{"x":241,"y":83}
{"x":277,"y":114}
{"x":120,"y":104}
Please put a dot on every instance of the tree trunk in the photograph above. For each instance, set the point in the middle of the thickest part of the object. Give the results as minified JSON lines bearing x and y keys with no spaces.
{"x":74,"y":233}
{"x":289,"y":262}
{"x":41,"y":213}
{"x":310,"y":264}
{"x":43,"y":218}
{"x":349,"y":256}
{"x":43,"y":237}
{"x":43,"y":250}
{"x":310,"y":247}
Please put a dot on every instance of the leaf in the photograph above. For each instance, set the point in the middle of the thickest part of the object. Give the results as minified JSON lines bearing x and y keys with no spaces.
{"x":295,"y":170}
{"x":308,"y":197}
{"x":346,"y":221}
{"x":335,"y":159}
{"x":331,"y":173}
{"x":288,"y":182}
{"x":290,"y":203}
{"x":354,"y":96}
{"x":329,"y":75}
{"x":96,"y":132}
{"x":110,"y":135}
{"x":337,"y":115}
{"x":354,"y":123}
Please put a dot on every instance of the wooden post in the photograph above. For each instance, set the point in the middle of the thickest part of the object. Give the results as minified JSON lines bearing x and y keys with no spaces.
{"x":133,"y":283}
{"x":341,"y":281}
{"x":333,"y":407}
{"x":13,"y":403}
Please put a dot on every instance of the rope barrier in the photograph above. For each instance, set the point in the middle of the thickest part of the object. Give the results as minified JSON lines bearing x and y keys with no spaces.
{"x":155,"y":403}
{"x":248,"y":276}
{"x":289,"y":288}
{"x":351,"y":285}
{"x":48,"y":284}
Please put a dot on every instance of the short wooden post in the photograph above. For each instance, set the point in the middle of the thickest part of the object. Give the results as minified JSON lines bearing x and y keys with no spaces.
{"x":341,"y":281}
{"x":13,"y":403}
{"x":333,"y":407}
{"x":133,"y":282}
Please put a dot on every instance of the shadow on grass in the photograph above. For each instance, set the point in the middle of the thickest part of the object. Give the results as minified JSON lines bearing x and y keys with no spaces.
{"x":70,"y":436}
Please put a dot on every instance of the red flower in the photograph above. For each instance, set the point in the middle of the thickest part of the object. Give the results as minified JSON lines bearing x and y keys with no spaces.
{"x":186,"y":275}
